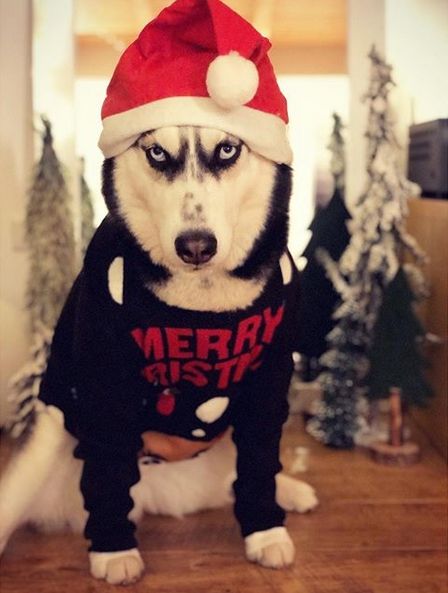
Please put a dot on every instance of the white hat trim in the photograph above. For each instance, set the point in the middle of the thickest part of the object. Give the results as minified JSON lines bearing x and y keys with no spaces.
{"x":264,"y":133}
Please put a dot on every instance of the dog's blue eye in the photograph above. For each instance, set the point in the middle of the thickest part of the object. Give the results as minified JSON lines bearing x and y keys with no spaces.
{"x":157,"y":153}
{"x":227,"y":151}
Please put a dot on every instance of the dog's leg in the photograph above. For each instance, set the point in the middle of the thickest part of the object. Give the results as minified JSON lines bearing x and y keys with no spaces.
{"x":295,"y":495}
{"x":273,"y":548}
{"x":29,"y":469}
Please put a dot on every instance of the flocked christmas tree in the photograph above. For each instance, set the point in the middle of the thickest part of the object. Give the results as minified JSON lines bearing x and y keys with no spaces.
{"x":50,"y":238}
{"x":25,"y":385}
{"x":337,"y":149}
{"x":329,"y":232}
{"x":370,"y":262}
{"x":51,"y":247}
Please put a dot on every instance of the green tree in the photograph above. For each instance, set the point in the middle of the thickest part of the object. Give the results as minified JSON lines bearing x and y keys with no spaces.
{"x":329,"y":231}
{"x":394,"y":356}
{"x":318,"y":297}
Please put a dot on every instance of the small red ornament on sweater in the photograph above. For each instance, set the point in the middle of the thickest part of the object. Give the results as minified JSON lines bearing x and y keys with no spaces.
{"x":166,"y":402}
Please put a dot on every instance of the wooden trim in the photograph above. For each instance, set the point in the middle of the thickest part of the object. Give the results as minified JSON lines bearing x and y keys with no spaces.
{"x":428,"y":223}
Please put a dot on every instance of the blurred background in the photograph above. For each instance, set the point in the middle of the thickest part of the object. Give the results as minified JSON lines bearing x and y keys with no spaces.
{"x":57,"y":56}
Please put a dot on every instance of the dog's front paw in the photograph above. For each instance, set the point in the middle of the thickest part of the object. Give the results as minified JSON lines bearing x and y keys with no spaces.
{"x":117,"y":568}
{"x":272,"y":548}
{"x":295,"y":495}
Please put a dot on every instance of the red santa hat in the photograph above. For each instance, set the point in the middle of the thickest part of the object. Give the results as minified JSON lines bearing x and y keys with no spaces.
{"x":200,"y":64}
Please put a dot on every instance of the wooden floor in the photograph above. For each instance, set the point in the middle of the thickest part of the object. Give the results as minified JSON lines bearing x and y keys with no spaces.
{"x":377,"y":530}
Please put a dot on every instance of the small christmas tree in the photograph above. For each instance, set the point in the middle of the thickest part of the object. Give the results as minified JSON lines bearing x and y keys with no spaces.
{"x":318,"y":297}
{"x":337,"y":149}
{"x":394,"y":356}
{"x":329,"y":232}
{"x":396,"y":369}
{"x":50,"y":238}
{"x":343,"y":366}
{"x":25,"y":385}
{"x":370,"y":262}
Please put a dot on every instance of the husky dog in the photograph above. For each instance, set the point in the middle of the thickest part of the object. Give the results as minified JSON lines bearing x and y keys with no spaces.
{"x":204,"y":223}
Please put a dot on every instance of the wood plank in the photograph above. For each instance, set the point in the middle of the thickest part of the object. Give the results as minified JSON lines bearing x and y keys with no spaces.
{"x":386,"y":571}
{"x":321,"y":571}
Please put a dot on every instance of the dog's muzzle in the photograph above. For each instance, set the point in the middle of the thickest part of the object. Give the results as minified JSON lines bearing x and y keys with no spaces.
{"x":196,"y":247}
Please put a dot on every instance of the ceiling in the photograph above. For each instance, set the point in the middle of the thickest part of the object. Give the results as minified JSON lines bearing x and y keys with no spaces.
{"x":315,"y":25}
{"x":286,"y":22}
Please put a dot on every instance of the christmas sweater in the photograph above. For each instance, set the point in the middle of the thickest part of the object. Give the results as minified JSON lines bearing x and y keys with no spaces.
{"x":124,"y":371}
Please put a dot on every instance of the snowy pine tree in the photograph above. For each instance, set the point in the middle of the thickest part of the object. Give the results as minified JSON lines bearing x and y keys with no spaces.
{"x":50,"y":238}
{"x":344,"y":365}
{"x":25,"y":385}
{"x":370,"y":262}
{"x":337,"y":149}
{"x":51,"y":246}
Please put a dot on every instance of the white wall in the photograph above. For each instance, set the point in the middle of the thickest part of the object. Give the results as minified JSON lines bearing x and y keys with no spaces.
{"x":420,"y":58}
{"x":54,"y":84}
{"x":16,"y":155}
{"x":311,"y":102}
{"x":413,"y":37}
{"x":366,"y":26}
{"x":36,"y":76}
{"x":90,"y":93}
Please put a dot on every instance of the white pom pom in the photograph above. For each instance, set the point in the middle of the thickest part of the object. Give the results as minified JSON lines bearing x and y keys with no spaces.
{"x":232,"y":80}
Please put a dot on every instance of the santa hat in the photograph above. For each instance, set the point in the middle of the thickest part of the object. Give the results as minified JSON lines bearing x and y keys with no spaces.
{"x":199,"y":64}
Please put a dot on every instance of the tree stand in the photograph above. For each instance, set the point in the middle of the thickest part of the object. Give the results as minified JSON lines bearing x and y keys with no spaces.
{"x":395,"y":452}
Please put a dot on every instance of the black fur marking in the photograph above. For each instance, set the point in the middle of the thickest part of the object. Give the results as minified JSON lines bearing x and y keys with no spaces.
{"x":172,"y":167}
{"x":213,"y":163}
{"x":272,"y":241}
{"x":149,"y":271}
{"x":108,"y":186}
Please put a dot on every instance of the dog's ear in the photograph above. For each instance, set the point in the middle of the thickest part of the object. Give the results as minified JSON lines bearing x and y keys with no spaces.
{"x":108,"y":185}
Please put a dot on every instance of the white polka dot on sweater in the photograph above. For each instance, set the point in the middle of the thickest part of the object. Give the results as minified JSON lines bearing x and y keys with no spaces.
{"x":286,"y":268}
{"x":212,"y":409}
{"x":198,"y":432}
{"x":115,"y":280}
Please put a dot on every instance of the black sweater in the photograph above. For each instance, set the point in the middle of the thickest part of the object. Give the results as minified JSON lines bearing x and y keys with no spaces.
{"x":117,"y":371}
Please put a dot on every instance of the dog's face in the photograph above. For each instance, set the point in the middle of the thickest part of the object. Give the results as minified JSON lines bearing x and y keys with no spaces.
{"x":194,"y":198}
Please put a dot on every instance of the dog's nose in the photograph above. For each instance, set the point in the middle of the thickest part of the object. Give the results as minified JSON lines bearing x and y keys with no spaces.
{"x":196,"y":247}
